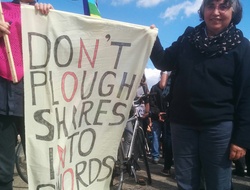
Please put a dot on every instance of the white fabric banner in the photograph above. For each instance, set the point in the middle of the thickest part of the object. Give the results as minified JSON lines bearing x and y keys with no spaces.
{"x":81,"y":75}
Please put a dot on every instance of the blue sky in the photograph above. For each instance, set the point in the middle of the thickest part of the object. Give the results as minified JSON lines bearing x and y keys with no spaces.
{"x":170,"y":16}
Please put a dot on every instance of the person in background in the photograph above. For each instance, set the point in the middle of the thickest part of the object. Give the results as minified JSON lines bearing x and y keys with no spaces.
{"x":210,"y":106}
{"x":156,"y":124}
{"x":143,"y":90}
{"x":11,"y":109}
{"x":166,"y":83}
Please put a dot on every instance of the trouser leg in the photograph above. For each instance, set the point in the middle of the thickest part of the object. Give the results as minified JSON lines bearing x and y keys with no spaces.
{"x":185,"y":142}
{"x":214,"y":146}
{"x":8,"y":140}
{"x":202,"y":148}
{"x":156,"y":132}
{"x":22,"y":133}
{"x":167,"y":145}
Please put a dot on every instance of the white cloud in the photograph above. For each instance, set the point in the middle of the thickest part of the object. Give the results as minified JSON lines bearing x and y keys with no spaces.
{"x":187,"y":7}
{"x":148,"y":3}
{"x":139,"y":3}
{"x":152,"y":76}
{"x":120,"y":2}
{"x":193,"y":9}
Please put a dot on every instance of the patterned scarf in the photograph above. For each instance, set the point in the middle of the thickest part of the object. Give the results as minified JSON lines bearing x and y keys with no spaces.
{"x":216,"y":45}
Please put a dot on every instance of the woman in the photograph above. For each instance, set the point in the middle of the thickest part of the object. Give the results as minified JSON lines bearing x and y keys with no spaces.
{"x":11,"y":107}
{"x":210,"y":106}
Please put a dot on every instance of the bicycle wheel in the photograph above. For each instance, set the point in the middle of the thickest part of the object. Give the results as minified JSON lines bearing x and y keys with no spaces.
{"x":118,"y":171}
{"x":21,"y":166}
{"x":143,"y":154}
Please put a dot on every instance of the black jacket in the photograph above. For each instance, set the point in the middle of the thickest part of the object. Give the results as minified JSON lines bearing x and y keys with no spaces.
{"x":208,"y":90}
{"x":155,"y":102}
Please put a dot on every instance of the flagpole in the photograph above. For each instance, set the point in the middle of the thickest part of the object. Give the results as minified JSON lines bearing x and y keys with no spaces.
{"x":86,"y":7}
{"x":8,"y":50}
{"x":90,"y":8}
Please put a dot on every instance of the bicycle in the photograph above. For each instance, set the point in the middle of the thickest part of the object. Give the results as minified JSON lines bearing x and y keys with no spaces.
{"x":21,"y":165}
{"x":129,"y":163}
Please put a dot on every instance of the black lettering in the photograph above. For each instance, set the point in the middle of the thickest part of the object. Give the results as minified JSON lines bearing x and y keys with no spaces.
{"x":99,"y":111}
{"x":91,"y":161}
{"x":38,"y":116}
{"x":30,"y":37}
{"x":91,"y":138}
{"x":42,"y":77}
{"x":79,"y":180}
{"x":51,"y":161}
{"x":124,"y":84}
{"x":71,"y":138}
{"x":45,"y":186}
{"x":120,"y":45}
{"x":116,"y":113}
{"x":110,"y":168}
{"x":102,"y":82}
{"x":61,"y":123}
{"x":69,"y":49}
{"x":84,"y":79}
{"x":85,"y":111}
{"x":52,"y":89}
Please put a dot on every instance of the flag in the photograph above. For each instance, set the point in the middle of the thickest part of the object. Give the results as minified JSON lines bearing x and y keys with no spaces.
{"x":90,"y":8}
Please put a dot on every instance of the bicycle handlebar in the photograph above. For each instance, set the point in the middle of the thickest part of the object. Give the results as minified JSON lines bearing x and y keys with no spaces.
{"x":138,"y":102}
{"x":143,"y":96}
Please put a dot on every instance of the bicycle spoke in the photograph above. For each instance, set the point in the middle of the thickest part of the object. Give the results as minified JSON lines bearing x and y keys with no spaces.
{"x":142,"y":145}
{"x":21,"y":165}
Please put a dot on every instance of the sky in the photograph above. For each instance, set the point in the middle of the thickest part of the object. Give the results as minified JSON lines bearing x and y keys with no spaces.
{"x":171,"y":17}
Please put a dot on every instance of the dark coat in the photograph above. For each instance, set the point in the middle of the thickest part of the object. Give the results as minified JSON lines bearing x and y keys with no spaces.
{"x":155,"y":102}
{"x":208,"y":90}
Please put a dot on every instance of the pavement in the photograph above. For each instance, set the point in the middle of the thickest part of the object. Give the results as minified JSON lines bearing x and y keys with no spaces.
{"x":19,"y":184}
{"x":159,"y":182}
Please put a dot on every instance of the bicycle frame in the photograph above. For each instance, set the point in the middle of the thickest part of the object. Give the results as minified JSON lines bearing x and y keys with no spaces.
{"x":130,"y":164}
{"x":136,"y":125}
{"x":136,"y":118}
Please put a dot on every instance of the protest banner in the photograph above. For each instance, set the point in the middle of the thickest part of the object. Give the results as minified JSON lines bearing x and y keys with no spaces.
{"x":80,"y":74}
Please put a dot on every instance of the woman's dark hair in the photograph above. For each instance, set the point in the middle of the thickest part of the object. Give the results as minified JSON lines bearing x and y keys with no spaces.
{"x":235,"y":4}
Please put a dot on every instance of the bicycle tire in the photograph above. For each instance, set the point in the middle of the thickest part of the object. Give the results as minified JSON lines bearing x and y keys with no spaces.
{"x":118,"y":172}
{"x":142,"y":149}
{"x":21,"y":165}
